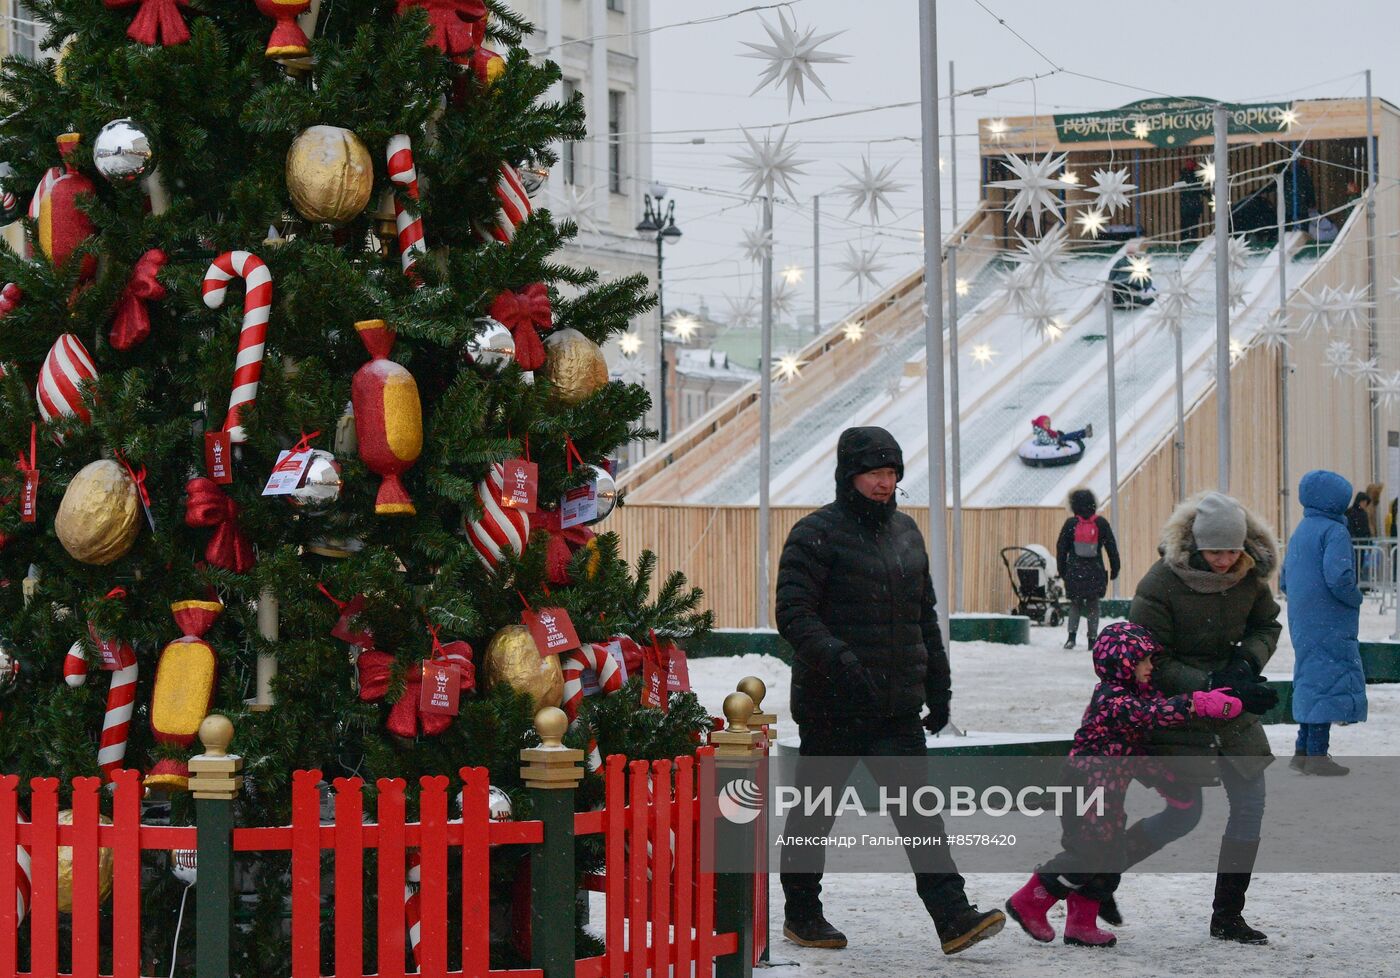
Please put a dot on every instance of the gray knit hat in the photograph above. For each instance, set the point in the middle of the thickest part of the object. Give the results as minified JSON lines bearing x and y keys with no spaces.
{"x":1219,"y":523}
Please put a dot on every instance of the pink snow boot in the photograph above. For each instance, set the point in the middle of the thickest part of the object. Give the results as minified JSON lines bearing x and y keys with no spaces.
{"x":1081,"y":927}
{"x":1028,"y":907}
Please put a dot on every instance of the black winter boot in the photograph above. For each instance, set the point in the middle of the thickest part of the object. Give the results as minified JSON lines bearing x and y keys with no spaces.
{"x":1299,"y":761}
{"x":1109,"y":912}
{"x":813,"y":932}
{"x":1324,"y":766}
{"x":1069,"y":642}
{"x":966,"y":928}
{"x":1137,"y":847}
{"x":1232,"y":877}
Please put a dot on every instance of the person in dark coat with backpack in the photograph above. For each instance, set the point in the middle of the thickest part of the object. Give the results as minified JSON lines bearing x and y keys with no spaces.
{"x":1084,"y":539}
{"x":1324,"y":611}
{"x":856,"y":602}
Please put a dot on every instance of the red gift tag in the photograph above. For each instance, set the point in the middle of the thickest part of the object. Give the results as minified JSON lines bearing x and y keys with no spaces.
{"x":678,"y":671}
{"x":218,"y":456}
{"x":442,"y":686}
{"x":551,"y":629}
{"x":520,"y":486}
{"x":29,"y":498}
{"x":345,"y":627}
{"x":654,"y":682}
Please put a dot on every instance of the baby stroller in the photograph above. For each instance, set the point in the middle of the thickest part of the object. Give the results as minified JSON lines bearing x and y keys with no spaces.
{"x":1035,"y":581}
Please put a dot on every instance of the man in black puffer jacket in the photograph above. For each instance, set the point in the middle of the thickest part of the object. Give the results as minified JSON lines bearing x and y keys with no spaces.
{"x":856,"y":602}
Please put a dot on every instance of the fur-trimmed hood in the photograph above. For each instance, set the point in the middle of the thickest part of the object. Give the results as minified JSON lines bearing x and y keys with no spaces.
{"x":1178,"y":544}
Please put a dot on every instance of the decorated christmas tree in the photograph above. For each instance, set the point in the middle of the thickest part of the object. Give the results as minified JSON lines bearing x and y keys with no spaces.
{"x":305,"y":422}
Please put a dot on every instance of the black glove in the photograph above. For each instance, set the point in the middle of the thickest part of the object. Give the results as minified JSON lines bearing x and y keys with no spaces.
{"x":1238,"y":672}
{"x":1255,"y":697}
{"x":854,"y":682}
{"x":937,"y":717}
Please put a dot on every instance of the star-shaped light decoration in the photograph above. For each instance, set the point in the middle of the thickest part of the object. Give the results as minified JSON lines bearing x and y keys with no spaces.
{"x":1174,"y":300}
{"x":631,"y":370}
{"x":1317,"y":310}
{"x":792,"y":274}
{"x":894,"y":387}
{"x":756,"y":244}
{"x":1366,"y":371}
{"x":1287,"y":119}
{"x":853,"y":331}
{"x":742,"y":310}
{"x":887,"y":342}
{"x":1273,"y":334}
{"x":862,"y":267}
{"x":1141,"y":130}
{"x":1035,"y":186}
{"x":1042,"y":315}
{"x":1017,"y":286}
{"x":792,"y":57}
{"x":1111,"y":187}
{"x":1139,"y":269}
{"x":1236,"y":294}
{"x":1338,"y":357}
{"x":769,"y":165}
{"x":1238,"y":254}
{"x":870,"y":189}
{"x":962,"y":286}
{"x":788,"y":367}
{"x":629,"y":343}
{"x":1070,"y":177}
{"x":983,"y":354}
{"x":996,"y":130}
{"x":1040,"y":259}
{"x":1236,"y":351}
{"x":1091,"y":222}
{"x":571,"y":204}
{"x":784,"y":299}
{"x":1206,"y":173}
{"x":684,"y":326}
{"x":1387,"y":389}
{"x":1351,"y":306}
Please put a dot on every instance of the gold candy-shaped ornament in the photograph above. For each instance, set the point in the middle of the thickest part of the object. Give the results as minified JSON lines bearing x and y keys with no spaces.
{"x":329,"y":175}
{"x":100,"y":515}
{"x":575,"y":366}
{"x":513,"y":658}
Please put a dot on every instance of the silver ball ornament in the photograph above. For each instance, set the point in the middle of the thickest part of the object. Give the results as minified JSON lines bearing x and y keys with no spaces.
{"x":184,"y":864}
{"x":320,"y":488}
{"x":493,"y":345}
{"x":606,"y":491}
{"x":122,"y":152}
{"x":498,"y":803}
{"x":533,"y":179}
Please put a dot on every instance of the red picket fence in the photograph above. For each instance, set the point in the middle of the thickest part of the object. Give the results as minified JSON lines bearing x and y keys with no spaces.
{"x":660,"y":905}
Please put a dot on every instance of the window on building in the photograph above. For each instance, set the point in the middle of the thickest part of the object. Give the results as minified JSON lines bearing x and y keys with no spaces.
{"x":566,"y":157}
{"x":615,"y":119}
{"x":616,"y":5}
{"x":24,"y":32}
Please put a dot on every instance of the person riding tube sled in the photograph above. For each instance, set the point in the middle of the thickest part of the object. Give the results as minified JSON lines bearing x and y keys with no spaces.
{"x":1048,"y":447}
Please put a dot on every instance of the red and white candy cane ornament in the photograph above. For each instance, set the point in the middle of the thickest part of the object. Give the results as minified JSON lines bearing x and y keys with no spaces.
{"x":515,"y":207}
{"x":499,"y":529}
{"x":403,"y":173}
{"x":412,"y":913}
{"x":594,"y":656}
{"x":66,"y":369}
{"x":23,"y":876}
{"x":252,"y":336}
{"x":116,"y":722}
{"x":75,"y":666}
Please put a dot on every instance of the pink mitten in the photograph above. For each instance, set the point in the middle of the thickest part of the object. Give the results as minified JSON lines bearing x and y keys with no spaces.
{"x":1217,"y":704}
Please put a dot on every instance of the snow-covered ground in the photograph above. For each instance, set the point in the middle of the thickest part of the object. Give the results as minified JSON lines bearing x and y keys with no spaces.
{"x":1321,"y":924}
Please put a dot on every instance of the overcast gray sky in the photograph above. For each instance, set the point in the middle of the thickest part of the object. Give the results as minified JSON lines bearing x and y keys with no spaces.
{"x":1237,"y":51}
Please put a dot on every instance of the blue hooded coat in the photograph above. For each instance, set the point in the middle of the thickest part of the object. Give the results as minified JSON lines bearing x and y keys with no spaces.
{"x":1324,"y":605}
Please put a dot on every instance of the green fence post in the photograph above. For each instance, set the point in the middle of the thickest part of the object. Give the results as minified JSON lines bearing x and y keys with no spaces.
{"x":551,"y":773}
{"x":214,"y":783}
{"x":736,"y":759}
{"x":767,"y":726}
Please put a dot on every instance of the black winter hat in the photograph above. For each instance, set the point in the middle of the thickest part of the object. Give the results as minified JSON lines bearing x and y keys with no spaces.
{"x":1082,"y":503}
{"x":862,"y":449}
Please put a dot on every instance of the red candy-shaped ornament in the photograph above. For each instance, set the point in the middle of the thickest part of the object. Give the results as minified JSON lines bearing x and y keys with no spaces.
{"x":62,"y":226}
{"x":388,"y":418}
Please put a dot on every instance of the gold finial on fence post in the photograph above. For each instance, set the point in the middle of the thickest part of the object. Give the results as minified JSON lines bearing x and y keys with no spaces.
{"x":215,"y":773}
{"x":736,"y":740}
{"x":551,"y":765}
{"x":757,"y":690}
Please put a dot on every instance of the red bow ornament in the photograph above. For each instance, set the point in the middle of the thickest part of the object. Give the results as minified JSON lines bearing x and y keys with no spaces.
{"x":156,"y":21}
{"x":457,"y":25}
{"x":209,"y":506}
{"x":563,"y":544}
{"x":375,"y":670}
{"x":525,"y":313}
{"x":131,"y":323}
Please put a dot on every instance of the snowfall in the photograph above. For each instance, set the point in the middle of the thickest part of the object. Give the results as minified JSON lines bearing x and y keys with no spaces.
{"x":1318,"y":924}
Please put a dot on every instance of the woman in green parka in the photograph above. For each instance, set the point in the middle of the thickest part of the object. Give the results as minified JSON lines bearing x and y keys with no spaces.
{"x":1209,"y":603}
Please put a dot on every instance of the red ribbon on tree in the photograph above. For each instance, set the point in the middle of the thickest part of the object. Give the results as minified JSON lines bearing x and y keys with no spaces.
{"x":209,"y":506}
{"x":375,"y":670}
{"x":525,"y":313}
{"x":131,"y":323}
{"x":156,"y":21}
{"x":563,"y":544}
{"x":457,"y":24}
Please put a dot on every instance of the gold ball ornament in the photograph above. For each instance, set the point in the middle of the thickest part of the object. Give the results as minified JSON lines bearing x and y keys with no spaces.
{"x":100,"y":515}
{"x":65,"y":868}
{"x":512,"y":658}
{"x":329,"y":174}
{"x":575,"y":366}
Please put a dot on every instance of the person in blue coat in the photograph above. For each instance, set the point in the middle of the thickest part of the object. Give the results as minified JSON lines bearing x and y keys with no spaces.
{"x":1324,"y":612}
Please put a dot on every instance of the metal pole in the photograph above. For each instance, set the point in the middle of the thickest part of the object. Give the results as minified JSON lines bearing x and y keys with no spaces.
{"x":1372,"y":343}
{"x":1285,"y":476}
{"x":955,"y":421}
{"x":817,"y":264}
{"x":1180,"y":419}
{"x":1112,"y":415}
{"x":660,"y":339}
{"x":1222,"y":296}
{"x":765,"y":411}
{"x":933,"y":303}
{"x":953,"y":184}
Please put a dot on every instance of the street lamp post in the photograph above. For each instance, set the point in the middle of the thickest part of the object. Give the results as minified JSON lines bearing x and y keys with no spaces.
{"x":660,"y":223}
